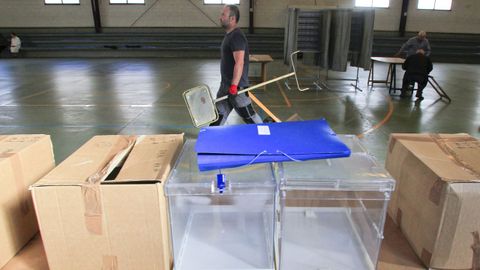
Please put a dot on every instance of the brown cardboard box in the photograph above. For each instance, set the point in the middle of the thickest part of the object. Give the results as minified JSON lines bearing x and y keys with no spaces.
{"x":91,"y":219}
{"x":23,"y":160}
{"x":396,"y":253}
{"x":31,"y":257}
{"x":437,"y":197}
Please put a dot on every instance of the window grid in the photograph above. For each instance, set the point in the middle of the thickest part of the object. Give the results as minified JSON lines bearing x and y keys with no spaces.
{"x":435,"y":4}
{"x":221,"y":2}
{"x":127,"y":2}
{"x":62,"y":2}
{"x":372,"y":3}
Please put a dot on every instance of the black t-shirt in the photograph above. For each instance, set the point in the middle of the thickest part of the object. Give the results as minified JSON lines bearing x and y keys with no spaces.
{"x":234,"y":41}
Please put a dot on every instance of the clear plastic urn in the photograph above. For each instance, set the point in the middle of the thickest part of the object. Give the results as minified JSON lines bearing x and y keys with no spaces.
{"x":221,"y":222}
{"x":333,"y":211}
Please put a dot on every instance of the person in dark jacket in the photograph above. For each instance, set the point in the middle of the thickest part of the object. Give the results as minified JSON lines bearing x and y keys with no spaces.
{"x":417,"y":67}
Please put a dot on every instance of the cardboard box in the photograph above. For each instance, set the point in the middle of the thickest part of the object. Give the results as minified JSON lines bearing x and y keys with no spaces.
{"x":23,"y":160}
{"x":437,"y":197}
{"x":91,"y":218}
{"x":396,"y":253}
{"x":31,"y":257}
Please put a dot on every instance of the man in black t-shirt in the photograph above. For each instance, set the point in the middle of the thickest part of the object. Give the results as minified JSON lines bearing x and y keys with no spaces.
{"x":234,"y":70}
{"x":417,"y":67}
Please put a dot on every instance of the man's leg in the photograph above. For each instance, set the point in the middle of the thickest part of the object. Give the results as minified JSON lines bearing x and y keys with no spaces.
{"x":249,"y":115}
{"x":224,"y":107}
{"x":405,"y":85}
{"x":243,"y":106}
{"x":422,"y":83}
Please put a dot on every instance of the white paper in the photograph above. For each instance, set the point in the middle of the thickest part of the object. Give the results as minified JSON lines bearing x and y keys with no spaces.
{"x":263,"y":130}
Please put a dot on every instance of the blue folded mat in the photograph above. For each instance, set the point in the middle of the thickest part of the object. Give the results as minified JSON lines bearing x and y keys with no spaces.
{"x":239,"y":145}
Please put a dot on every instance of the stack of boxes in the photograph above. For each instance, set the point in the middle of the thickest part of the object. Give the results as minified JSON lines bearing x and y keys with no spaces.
{"x":107,"y":206}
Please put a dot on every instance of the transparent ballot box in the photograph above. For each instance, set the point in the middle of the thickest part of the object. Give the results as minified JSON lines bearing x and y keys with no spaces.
{"x":333,"y":211}
{"x":216,"y":226}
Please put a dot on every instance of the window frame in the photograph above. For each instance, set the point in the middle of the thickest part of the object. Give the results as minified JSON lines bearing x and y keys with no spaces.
{"x":435,"y":9}
{"x":126,"y":3}
{"x":61,"y":4}
{"x":221,"y":2}
{"x":371,"y":5}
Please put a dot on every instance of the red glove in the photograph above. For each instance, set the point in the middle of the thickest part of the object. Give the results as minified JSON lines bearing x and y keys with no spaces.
{"x":233,"y":90}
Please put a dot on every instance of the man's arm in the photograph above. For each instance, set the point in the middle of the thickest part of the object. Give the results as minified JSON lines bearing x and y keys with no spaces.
{"x":238,"y":68}
{"x":237,"y":71}
{"x":404,"y":47}
{"x":428,"y":49}
{"x":399,"y":53}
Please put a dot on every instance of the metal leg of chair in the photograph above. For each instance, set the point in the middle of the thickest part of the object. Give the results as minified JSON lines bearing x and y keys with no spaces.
{"x":438,"y":88}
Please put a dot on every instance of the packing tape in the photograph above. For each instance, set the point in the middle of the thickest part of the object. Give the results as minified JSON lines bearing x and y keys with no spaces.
{"x":93,"y":208}
{"x":435,"y":194}
{"x":91,"y":192}
{"x":443,"y":145}
{"x":110,"y":262}
{"x":23,"y":194}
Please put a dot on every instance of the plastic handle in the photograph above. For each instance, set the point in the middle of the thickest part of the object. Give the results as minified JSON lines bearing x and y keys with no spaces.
{"x":258,"y":85}
{"x":221,"y":182}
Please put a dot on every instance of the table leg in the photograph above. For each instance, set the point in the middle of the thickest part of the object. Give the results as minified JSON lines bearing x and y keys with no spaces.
{"x":263,"y":74}
{"x":389,"y":74}
{"x":394,"y":77}
{"x":372,"y":64}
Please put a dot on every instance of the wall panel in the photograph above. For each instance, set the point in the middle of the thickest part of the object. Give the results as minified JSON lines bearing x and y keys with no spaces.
{"x":193,"y":13}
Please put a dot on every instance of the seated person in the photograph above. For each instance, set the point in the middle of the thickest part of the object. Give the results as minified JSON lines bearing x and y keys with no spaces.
{"x":415,"y":43}
{"x":417,"y":67}
{"x":15,"y":44}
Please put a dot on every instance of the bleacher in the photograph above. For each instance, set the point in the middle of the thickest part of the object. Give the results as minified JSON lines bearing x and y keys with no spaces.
{"x":156,"y":42}
{"x":205,"y":42}
{"x":448,"y":48}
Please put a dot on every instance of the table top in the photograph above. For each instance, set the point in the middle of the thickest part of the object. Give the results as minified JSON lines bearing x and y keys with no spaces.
{"x":389,"y":60}
{"x":260,"y":58}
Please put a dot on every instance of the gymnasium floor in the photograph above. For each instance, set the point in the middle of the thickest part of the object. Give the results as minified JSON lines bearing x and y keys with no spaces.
{"x":75,"y":99}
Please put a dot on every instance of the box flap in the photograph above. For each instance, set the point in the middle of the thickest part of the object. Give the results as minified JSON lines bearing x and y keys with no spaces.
{"x":96,"y":158}
{"x":453,"y":157}
{"x":151,"y":159}
{"x":11,"y":144}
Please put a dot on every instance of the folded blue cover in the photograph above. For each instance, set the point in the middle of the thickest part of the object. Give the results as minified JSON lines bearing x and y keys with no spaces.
{"x":234,"y":146}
